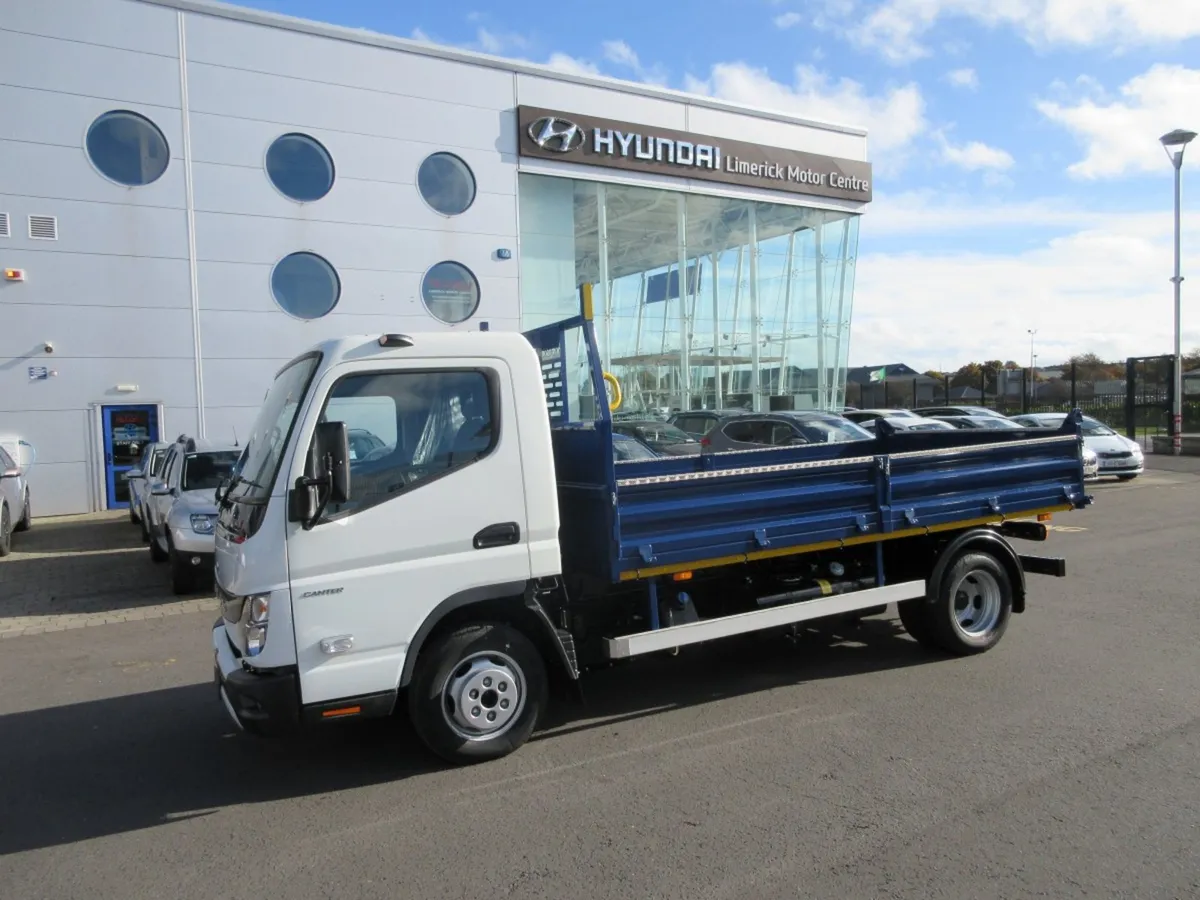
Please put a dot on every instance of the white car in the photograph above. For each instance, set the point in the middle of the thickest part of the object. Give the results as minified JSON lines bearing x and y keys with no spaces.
{"x":1117,"y":454}
{"x":15,"y":512}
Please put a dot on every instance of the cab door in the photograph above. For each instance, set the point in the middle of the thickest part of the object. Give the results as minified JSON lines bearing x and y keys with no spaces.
{"x":436,"y":512}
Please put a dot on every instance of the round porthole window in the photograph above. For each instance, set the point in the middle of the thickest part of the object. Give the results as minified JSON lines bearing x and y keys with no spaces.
{"x":446,"y":183}
{"x":300,"y":167}
{"x":305,"y":285}
{"x":450,"y":292}
{"x":127,"y":148}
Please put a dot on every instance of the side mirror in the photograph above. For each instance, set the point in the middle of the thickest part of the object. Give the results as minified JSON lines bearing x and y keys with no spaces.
{"x":332,"y":449}
{"x":134,"y":473}
{"x":10,"y":473}
{"x":159,"y":489}
{"x":328,"y":480}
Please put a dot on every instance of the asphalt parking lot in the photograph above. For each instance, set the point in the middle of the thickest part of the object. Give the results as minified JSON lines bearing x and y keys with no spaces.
{"x":1063,"y":764}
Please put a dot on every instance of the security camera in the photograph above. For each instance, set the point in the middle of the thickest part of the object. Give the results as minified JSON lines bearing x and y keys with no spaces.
{"x":48,"y":347}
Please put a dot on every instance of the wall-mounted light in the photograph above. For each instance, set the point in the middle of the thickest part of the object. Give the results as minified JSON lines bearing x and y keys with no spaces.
{"x":126,"y":388}
{"x":14,"y":274}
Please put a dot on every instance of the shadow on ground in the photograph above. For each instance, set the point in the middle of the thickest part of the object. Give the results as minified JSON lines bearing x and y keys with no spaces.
{"x":106,"y":767}
{"x":78,"y":566}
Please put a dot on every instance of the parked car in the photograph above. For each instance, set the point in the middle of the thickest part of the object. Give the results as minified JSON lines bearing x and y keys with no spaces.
{"x":862,"y":416}
{"x":626,"y":447}
{"x":1118,"y":455}
{"x":148,"y":466}
{"x":183,"y":509}
{"x":957,"y":411}
{"x":15,"y":507}
{"x":699,"y":422}
{"x":1091,"y":464}
{"x":661,"y":437}
{"x":779,"y":429}
{"x":909,"y":423}
{"x":994,"y":423}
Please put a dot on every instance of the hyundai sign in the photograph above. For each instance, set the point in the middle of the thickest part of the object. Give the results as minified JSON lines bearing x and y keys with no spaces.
{"x":587,"y":140}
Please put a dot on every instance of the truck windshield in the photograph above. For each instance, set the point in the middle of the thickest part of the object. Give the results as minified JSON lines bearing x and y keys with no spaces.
{"x":272,"y":429}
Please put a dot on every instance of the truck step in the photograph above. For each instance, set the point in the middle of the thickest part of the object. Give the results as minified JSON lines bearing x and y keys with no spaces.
{"x":759,"y":620}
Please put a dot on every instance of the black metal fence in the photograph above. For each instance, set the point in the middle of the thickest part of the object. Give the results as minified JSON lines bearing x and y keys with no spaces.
{"x":1138,"y":406}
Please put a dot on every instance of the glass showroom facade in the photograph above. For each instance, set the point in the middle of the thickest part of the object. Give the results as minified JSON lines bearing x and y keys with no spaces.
{"x":760,"y":318}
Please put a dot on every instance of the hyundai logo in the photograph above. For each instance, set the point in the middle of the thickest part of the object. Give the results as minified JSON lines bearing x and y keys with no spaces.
{"x":557,"y":135}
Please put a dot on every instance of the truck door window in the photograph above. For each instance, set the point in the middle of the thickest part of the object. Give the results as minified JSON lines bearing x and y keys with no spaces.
{"x":406,"y":428}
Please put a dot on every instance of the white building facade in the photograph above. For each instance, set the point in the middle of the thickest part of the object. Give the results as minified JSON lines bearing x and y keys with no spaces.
{"x":192,"y":193}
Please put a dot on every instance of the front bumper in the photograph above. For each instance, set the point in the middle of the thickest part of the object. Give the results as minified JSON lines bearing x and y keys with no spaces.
{"x":260,"y":701}
{"x":186,"y":541}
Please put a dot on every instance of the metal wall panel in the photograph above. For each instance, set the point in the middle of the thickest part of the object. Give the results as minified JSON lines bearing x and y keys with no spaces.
{"x":114,"y":23}
{"x":306,"y":104}
{"x":71,"y":67}
{"x":325,"y":60}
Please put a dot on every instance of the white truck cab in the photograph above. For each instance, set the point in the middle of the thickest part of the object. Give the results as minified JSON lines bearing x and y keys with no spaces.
{"x":325,"y":590}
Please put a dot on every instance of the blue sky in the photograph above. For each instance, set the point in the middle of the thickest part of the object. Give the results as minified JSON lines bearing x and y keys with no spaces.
{"x":1019,"y":180}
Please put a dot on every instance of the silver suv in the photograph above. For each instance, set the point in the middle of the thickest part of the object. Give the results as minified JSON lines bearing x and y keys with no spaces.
{"x":182,"y":510}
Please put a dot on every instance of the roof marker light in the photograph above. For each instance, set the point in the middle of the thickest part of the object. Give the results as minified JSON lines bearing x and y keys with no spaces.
{"x":395,"y":340}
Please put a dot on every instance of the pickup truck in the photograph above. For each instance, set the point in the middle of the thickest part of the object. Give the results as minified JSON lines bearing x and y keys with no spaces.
{"x":488,"y":544}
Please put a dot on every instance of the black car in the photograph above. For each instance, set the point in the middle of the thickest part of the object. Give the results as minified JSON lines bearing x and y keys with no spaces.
{"x":663,"y":437}
{"x":699,"y":422}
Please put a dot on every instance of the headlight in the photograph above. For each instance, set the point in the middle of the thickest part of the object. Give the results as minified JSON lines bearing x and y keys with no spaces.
{"x":202,"y":524}
{"x":260,"y":605}
{"x":258,"y":608}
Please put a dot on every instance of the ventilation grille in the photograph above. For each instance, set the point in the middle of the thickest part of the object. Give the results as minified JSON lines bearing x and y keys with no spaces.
{"x":4,"y":229}
{"x":43,"y":228}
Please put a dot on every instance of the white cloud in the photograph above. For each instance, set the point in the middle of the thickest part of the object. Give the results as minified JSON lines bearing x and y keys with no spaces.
{"x":572,"y":65}
{"x":963,"y":78}
{"x":893,"y":118}
{"x":933,"y":212}
{"x":975,"y":155}
{"x":1101,"y":288}
{"x":787,"y":20}
{"x":896,"y":28}
{"x":1120,"y":135}
{"x":620,"y":54}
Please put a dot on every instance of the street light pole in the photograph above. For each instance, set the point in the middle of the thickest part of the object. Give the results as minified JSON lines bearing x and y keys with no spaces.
{"x":1032,"y":361}
{"x":1174,"y":144}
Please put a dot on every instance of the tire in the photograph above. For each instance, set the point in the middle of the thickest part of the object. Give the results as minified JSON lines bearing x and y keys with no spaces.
{"x":157,"y":553}
{"x":145,"y":530}
{"x":478,"y":658}
{"x":5,"y":531}
{"x":133,"y":518}
{"x":976,"y":581}
{"x":26,"y":520}
{"x":183,"y":576}
{"x":916,"y":621}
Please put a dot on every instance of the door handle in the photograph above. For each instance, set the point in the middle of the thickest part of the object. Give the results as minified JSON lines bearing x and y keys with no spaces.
{"x":499,"y":535}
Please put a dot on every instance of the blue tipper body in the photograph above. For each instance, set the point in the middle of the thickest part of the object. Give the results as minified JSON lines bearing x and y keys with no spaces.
{"x":632,"y":519}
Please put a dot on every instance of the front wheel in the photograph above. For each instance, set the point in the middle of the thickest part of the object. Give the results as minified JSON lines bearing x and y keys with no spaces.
{"x":5,"y":530}
{"x":477,"y":693}
{"x":26,"y":520}
{"x":183,"y":574}
{"x":970,"y":611}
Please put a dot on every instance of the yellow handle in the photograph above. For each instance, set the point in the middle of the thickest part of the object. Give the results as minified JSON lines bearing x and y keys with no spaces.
{"x":615,"y":402}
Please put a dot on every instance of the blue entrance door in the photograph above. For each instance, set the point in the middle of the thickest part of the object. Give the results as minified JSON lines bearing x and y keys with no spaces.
{"x":127,"y":430}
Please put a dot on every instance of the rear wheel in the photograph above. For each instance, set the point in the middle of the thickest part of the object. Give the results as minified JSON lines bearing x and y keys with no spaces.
{"x":971,"y":609}
{"x":477,"y":693}
{"x":26,"y":520}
